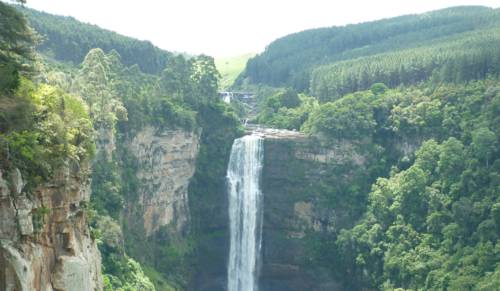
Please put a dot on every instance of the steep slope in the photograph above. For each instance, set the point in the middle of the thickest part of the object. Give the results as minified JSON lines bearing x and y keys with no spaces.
{"x":469,"y":56}
{"x":151,"y":133}
{"x":394,"y":189}
{"x":290,"y":60}
{"x":45,"y":240}
{"x":230,"y":68}
{"x":68,"y":40}
{"x":419,"y":209}
{"x":45,"y":149}
{"x":151,"y":130}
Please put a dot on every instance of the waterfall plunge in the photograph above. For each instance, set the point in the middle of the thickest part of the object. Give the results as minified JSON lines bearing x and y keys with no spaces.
{"x":245,"y":213}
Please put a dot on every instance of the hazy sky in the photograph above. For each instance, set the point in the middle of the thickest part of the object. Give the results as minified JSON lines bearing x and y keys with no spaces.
{"x":231,"y":27}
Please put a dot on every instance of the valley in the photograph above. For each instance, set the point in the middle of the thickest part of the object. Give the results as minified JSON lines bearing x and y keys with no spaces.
{"x":357,"y":157}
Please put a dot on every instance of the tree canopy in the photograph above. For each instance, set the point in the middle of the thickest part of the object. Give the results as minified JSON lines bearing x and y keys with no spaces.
{"x":289,"y":61}
{"x":16,"y":47}
{"x":66,"y":39}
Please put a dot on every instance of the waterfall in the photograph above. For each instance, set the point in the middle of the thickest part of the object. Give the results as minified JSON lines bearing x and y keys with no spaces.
{"x":245,"y":213}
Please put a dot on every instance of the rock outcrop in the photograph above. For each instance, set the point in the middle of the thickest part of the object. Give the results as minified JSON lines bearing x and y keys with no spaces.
{"x":298,"y":173}
{"x":45,"y":242}
{"x":165,"y":164}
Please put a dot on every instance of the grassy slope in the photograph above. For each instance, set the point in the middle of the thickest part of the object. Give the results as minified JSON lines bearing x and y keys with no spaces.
{"x":230,"y":68}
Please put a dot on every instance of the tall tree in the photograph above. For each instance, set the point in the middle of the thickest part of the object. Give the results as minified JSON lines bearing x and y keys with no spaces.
{"x":16,"y":47}
{"x":206,"y":76}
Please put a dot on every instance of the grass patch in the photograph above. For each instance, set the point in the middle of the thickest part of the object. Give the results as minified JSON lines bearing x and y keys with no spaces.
{"x":230,"y":68}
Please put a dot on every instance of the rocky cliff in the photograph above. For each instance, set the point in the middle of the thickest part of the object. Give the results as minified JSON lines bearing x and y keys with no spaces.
{"x":298,"y":173}
{"x":45,"y":243}
{"x":165,"y":165}
{"x":304,"y":184}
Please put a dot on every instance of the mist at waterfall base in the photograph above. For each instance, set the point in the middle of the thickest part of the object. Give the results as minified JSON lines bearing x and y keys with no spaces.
{"x":245,"y":213}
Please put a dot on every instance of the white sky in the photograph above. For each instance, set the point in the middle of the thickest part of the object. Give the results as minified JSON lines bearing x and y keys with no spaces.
{"x":231,"y":27}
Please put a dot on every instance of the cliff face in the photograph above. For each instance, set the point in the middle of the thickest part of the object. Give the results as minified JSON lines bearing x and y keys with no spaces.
{"x":45,"y":242}
{"x":298,"y":173}
{"x":165,"y":164}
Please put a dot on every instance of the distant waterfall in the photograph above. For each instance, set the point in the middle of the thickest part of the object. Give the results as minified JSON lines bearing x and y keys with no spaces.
{"x":245,"y":213}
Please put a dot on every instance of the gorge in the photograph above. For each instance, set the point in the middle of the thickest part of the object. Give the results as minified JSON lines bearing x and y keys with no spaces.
{"x":358,"y":157}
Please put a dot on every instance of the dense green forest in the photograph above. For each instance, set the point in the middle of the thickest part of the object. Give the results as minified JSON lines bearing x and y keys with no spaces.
{"x":424,"y":101}
{"x":68,"y":40}
{"x":471,"y":56}
{"x":289,"y":61}
{"x":432,"y":223}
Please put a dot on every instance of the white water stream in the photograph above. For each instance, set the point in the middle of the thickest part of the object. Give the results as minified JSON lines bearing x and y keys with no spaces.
{"x":245,"y":212}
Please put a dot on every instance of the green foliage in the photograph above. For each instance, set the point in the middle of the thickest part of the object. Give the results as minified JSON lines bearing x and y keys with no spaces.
{"x":290,"y":60}
{"x":484,"y":142}
{"x":171,"y":100}
{"x":120,"y":272}
{"x":123,"y":101}
{"x":129,"y":99}
{"x":69,"y":40}
{"x":133,"y":277}
{"x":205,"y":76}
{"x":469,"y":56}
{"x":287,"y":98}
{"x":175,"y":78}
{"x":351,"y":117}
{"x":422,"y":225}
{"x":230,"y":68}
{"x":16,"y":111}
{"x":207,"y":188}
{"x":38,"y":218}
{"x":95,"y":84}
{"x":46,"y":128}
{"x":418,"y":112}
{"x":173,"y":256}
{"x":433,"y":225}
{"x":220,"y":127}
{"x":16,"y":48}
{"x":286,"y":109}
{"x":158,"y":279}
{"x":53,"y":129}
{"x":106,"y":187}
{"x":378,"y":88}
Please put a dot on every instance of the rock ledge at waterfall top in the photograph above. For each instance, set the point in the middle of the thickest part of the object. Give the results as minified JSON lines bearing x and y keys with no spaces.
{"x":274,"y":133}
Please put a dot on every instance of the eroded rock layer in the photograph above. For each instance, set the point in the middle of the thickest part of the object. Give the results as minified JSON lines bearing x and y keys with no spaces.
{"x":165,"y":164}
{"x":298,"y":173}
{"x":45,"y":242}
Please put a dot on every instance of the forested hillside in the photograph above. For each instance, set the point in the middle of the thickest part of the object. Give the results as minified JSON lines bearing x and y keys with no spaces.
{"x":290,"y":61}
{"x":68,"y":40}
{"x":424,"y":105}
{"x":471,"y":56}
{"x":88,"y":110}
{"x":40,"y":126}
{"x":432,"y":222}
